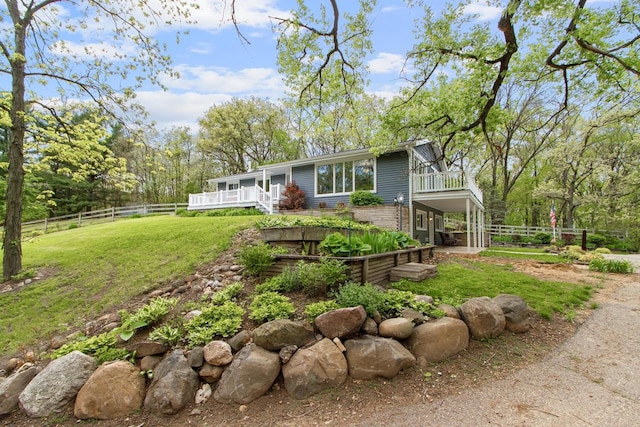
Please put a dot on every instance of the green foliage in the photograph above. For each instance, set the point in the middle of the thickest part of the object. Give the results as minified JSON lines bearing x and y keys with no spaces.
{"x":572,"y":253}
{"x":168,"y":334}
{"x":215,"y":320}
{"x":339,"y":245}
{"x":229,"y":293}
{"x":258,"y":258}
{"x":72,"y":226}
{"x":354,"y":294}
{"x":544,"y":238}
{"x":611,"y":265}
{"x":597,"y":240}
{"x":102,"y":347}
{"x":589,"y":256}
{"x":269,"y":306}
{"x":308,"y":221}
{"x":313,"y":310}
{"x":275,"y":283}
{"x":220,"y":212}
{"x":310,"y":277}
{"x":365,"y":198}
{"x":146,"y":315}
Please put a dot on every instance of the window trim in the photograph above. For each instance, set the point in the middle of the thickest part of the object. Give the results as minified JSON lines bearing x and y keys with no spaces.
{"x":353,"y":169}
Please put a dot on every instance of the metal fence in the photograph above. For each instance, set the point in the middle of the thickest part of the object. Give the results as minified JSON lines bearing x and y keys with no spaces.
{"x":48,"y":225}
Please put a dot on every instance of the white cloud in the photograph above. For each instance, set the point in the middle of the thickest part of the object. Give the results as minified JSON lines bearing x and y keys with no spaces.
{"x":249,"y":81}
{"x":216,"y":15}
{"x":387,"y":63}
{"x":483,"y":11}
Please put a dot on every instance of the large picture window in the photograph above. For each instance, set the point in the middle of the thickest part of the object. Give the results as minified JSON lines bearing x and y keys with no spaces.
{"x":345,"y":177}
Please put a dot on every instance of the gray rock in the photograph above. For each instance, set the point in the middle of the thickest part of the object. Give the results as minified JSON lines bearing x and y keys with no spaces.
{"x":56,"y":386}
{"x":314,"y":369}
{"x":424,"y":298}
{"x":341,"y":323}
{"x":196,"y":357}
{"x":174,"y":385}
{"x":370,"y":327}
{"x":373,"y":357}
{"x":114,"y":390}
{"x":439,"y":339}
{"x":286,"y":353}
{"x":147,"y":348}
{"x":398,"y":328}
{"x":249,"y":376}
{"x":415,"y":316}
{"x":484,"y":317}
{"x":239,"y":340}
{"x":218,"y":353}
{"x":449,"y":310}
{"x":11,"y":387}
{"x":149,"y":363}
{"x":516,"y":312}
{"x":280,"y":333}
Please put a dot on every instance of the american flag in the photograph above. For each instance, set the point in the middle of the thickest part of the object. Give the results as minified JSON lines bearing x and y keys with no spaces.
{"x":552,"y":214}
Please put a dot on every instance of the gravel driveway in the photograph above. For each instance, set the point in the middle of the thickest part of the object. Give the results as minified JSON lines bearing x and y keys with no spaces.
{"x":592,"y":380}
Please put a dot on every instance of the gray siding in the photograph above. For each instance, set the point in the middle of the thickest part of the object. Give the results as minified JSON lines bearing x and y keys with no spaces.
{"x":393,"y":176}
{"x":250,"y":182}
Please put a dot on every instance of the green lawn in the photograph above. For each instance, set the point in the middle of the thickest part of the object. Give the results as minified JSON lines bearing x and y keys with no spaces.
{"x":104,"y":265}
{"x":461,"y":279}
{"x":523,"y":253}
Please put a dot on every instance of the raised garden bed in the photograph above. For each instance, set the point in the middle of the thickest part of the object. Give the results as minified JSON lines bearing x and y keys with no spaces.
{"x":374,"y":269}
{"x":299,"y":238}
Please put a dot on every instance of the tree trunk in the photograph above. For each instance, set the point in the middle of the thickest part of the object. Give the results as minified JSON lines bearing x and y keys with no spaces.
{"x":12,"y":259}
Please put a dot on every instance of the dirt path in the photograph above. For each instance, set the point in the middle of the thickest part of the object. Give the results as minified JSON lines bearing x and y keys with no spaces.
{"x":592,"y":379}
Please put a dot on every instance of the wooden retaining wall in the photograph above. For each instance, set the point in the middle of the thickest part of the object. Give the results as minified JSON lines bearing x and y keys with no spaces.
{"x":374,"y":269}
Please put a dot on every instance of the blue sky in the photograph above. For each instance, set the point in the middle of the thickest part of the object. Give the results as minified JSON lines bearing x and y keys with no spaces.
{"x":216,"y":65}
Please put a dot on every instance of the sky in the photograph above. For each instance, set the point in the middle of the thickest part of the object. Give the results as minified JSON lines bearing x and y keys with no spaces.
{"x":216,"y":64}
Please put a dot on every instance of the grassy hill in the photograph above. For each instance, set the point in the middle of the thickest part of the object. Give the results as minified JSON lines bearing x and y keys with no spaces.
{"x":101,"y":266}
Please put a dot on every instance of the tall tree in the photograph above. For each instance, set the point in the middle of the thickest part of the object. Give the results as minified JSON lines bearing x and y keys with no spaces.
{"x":242,"y":134}
{"x":35,"y":48}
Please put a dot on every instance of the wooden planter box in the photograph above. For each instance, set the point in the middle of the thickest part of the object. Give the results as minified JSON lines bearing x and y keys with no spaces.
{"x":299,"y":238}
{"x":374,"y":269}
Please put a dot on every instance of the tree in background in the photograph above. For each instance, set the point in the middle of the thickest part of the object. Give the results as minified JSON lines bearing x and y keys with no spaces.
{"x":35,"y":52}
{"x":242,"y":134}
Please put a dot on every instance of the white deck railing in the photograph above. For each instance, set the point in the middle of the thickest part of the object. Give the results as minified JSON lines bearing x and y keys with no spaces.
{"x":446,"y":181}
{"x":240,"y":196}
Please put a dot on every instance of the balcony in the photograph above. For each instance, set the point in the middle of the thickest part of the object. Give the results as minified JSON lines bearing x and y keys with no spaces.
{"x":242,"y":197}
{"x":452,"y":188}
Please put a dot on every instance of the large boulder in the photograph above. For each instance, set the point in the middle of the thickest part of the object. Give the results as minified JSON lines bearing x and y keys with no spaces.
{"x":373,"y":357}
{"x":147,"y":348}
{"x":114,"y":390}
{"x":56,"y":386}
{"x":314,"y":369}
{"x":516,"y":312}
{"x":11,"y":388}
{"x":398,"y":328}
{"x":249,"y":376}
{"x":174,"y":385}
{"x":437,"y":340}
{"x":484,"y":317}
{"x":281,"y":333}
{"x":341,"y":323}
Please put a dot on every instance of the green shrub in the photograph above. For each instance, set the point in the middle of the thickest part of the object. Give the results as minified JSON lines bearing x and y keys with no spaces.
{"x":273,"y":284}
{"x":102,"y":347}
{"x":257,"y":259}
{"x":308,"y":221}
{"x":167,"y":334}
{"x":146,"y":315}
{"x":186,"y":213}
{"x":572,"y":253}
{"x":502,"y":239}
{"x":611,"y":265}
{"x":603,"y":251}
{"x":365,"y":198}
{"x":544,"y":238}
{"x":270,"y":306}
{"x":229,"y":293}
{"x":72,"y":226}
{"x":313,"y":310}
{"x":215,"y":320}
{"x":597,"y":240}
{"x":516,"y":238}
{"x":339,"y":245}
{"x":234,"y":212}
{"x":354,"y":294}
{"x":588,"y":257}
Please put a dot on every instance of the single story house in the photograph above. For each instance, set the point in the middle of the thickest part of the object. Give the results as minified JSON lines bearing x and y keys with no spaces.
{"x":412,"y":176}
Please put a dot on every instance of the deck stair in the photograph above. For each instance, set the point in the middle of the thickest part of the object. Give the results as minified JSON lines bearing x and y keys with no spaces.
{"x":413,"y":271}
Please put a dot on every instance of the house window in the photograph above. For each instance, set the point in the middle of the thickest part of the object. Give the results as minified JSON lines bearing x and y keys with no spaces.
{"x":422,"y":220}
{"x":233,"y":186}
{"x":345,"y":177}
{"x":439,"y":223}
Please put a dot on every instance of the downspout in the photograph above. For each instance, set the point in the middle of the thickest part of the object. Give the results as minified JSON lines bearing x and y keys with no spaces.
{"x":411,"y":224}
{"x":468,"y":226}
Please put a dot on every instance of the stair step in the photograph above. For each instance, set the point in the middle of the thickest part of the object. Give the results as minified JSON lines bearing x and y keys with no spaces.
{"x":413,"y":271}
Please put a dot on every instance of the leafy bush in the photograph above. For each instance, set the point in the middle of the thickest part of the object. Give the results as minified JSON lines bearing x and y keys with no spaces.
{"x":308,"y":221}
{"x":294,"y":197}
{"x":273,"y":284}
{"x":337,"y":244}
{"x":233,"y":212}
{"x":516,"y":238}
{"x":257,"y":259}
{"x":72,"y":226}
{"x":544,"y":238}
{"x":597,"y":240}
{"x":215,"y":320}
{"x":313,"y":310}
{"x":611,"y":265}
{"x":603,"y":251}
{"x":102,"y":347}
{"x":187,"y":213}
{"x":354,"y":294}
{"x":227,"y":294}
{"x":572,"y":252}
{"x":270,"y":306}
{"x":167,"y":334}
{"x":569,"y":239}
{"x":502,"y":239}
{"x":365,"y":198}
{"x":588,"y":257}
{"x":146,"y":315}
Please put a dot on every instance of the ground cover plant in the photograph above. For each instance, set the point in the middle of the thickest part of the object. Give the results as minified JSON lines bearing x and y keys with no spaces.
{"x":308,"y":221}
{"x":459,"y":280}
{"x":95,"y":268}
